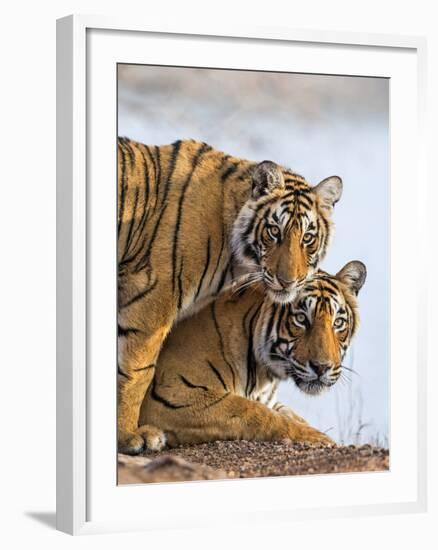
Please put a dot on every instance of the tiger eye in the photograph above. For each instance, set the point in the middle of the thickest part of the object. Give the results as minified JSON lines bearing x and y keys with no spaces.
{"x":301,"y":318}
{"x":308,"y":238}
{"x":339,"y":322}
{"x":273,"y":231}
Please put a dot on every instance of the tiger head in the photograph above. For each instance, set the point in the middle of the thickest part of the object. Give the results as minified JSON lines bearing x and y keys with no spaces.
{"x":307,"y":339}
{"x":282,"y":232}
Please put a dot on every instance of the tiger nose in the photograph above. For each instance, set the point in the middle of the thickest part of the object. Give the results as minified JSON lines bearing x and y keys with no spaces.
{"x":285,"y":283}
{"x":319,"y":368}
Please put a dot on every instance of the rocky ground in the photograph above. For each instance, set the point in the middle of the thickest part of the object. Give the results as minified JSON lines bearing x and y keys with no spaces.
{"x":245,"y":459}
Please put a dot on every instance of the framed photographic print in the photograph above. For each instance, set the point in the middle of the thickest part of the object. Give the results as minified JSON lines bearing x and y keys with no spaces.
{"x":235,"y":208}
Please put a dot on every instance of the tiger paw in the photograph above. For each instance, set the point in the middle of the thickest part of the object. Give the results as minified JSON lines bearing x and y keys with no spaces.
{"x":146,"y":437}
{"x":154,"y":438}
{"x":322,"y":440}
{"x":310,"y":436}
{"x":130,"y":443}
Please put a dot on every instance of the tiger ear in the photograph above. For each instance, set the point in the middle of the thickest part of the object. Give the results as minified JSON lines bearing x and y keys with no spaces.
{"x":329,"y":191}
{"x":266,"y":176}
{"x":353,"y":275}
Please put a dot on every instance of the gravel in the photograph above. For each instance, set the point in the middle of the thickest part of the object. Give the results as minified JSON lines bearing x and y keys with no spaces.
{"x":245,"y":459}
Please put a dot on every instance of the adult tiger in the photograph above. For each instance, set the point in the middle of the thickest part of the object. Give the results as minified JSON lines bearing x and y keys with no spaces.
{"x":179,"y":208}
{"x":218,"y":372}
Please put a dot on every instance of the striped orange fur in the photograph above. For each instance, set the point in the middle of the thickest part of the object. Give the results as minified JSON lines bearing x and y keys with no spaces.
{"x":218,"y":372}
{"x":191,"y":219}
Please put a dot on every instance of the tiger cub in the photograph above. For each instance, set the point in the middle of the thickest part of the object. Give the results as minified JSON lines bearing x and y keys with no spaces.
{"x":218,"y":372}
{"x":190,"y":219}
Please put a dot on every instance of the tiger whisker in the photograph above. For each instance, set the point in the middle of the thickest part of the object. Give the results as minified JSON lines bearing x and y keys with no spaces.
{"x":249,"y":275}
{"x":344,"y":377}
{"x":244,"y":285}
{"x":251,"y":279}
{"x":350,"y":370}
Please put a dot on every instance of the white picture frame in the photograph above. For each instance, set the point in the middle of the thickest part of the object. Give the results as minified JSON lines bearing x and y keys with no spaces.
{"x":88,"y":501}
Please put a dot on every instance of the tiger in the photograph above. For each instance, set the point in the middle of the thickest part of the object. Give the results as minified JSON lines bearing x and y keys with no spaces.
{"x":191,"y":219}
{"x":218,"y":372}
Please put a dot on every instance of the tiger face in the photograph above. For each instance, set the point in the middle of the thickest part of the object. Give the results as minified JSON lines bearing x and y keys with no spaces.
{"x":307,"y":339}
{"x":282,"y":233}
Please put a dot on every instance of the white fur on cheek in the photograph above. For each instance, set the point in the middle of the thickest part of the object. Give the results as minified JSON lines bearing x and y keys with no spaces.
{"x":240,"y":225}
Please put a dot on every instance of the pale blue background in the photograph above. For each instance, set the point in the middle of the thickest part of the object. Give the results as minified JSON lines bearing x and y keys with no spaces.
{"x":319,"y":126}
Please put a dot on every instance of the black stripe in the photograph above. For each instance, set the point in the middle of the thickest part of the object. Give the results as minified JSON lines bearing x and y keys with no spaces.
{"x":224,"y":161}
{"x":222,"y":279}
{"x":283,"y":212}
{"x":252,"y":222}
{"x":228,"y":172}
{"x":123,"y":184}
{"x":151,"y":156}
{"x":180,"y":289}
{"x":352,"y":319}
{"x":327,"y":283}
{"x":221,"y":343}
{"x":220,"y":254}
{"x":245,"y":325}
{"x":119,"y":371}
{"x":141,"y":295}
{"x":311,"y":288}
{"x":298,"y":184}
{"x":259,"y":227}
{"x":271,"y":395}
{"x":164,"y":401}
{"x":284,"y":312}
{"x":330,"y":291}
{"x":245,"y":317}
{"x":147,"y":367}
{"x":173,"y":160}
{"x":250,"y":252}
{"x":304,"y":200}
{"x":273,"y":312}
{"x":172,"y":164}
{"x":206,"y":266}
{"x":218,"y":374}
{"x":297,"y":203}
{"x":303,"y":192}
{"x":190,"y":385}
{"x":251,"y":364}
{"x":124,"y":331}
{"x":144,"y":215}
{"x":131,"y":224}
{"x":325,"y":235}
{"x":204,"y":147}
{"x":158,"y":174}
{"x":217,"y":400}
{"x":131,"y":152}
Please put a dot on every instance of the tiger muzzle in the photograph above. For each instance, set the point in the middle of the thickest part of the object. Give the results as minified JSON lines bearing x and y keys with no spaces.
{"x":319,"y":368}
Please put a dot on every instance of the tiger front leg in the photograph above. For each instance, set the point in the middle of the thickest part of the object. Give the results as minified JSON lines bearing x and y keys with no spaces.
{"x":259,"y":422}
{"x":287,"y":411}
{"x":137,"y":358}
{"x":234,"y":417}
